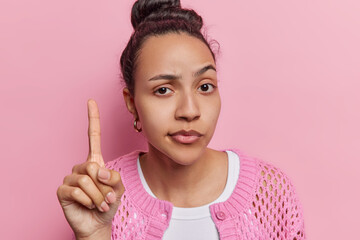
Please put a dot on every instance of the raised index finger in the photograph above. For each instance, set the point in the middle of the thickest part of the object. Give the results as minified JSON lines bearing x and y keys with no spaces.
{"x":94,"y":133}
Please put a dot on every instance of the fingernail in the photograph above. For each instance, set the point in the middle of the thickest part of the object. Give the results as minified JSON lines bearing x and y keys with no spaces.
{"x":103,"y":174}
{"x":100,"y":209}
{"x":110,"y":197}
{"x":104,"y":206}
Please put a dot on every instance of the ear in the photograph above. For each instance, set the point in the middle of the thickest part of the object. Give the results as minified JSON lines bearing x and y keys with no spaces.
{"x":129,"y":101}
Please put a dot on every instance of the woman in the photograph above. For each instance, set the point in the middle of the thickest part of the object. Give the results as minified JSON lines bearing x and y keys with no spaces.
{"x":180,"y":188}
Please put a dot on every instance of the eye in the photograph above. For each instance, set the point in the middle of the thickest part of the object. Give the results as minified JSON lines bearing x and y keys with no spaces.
{"x":207,"y":88}
{"x":162,"y":91}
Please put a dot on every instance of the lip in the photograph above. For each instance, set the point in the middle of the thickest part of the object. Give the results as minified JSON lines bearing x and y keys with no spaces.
{"x":186,"y":137}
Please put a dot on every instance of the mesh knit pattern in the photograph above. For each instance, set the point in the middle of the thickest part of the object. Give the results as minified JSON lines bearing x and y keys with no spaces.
{"x":271,"y":211}
{"x":139,"y":215}
{"x":262,"y":206}
{"x":275,"y":205}
{"x":126,"y":224}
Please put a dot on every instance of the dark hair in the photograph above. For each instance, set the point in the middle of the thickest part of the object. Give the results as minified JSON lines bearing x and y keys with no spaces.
{"x":153,"y":18}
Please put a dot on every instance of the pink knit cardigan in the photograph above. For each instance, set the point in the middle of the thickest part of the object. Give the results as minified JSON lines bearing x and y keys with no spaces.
{"x":262,"y":206}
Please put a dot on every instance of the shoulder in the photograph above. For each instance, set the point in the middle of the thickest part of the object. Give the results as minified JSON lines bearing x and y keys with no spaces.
{"x":265,"y":173}
{"x":273,"y":196}
{"x":124,"y":160}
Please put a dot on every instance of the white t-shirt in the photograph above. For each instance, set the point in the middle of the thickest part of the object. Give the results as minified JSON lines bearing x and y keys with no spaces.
{"x":196,"y":223}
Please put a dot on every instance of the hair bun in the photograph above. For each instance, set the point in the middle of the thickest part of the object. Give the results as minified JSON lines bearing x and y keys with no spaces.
{"x":143,"y":8}
{"x":157,"y":10}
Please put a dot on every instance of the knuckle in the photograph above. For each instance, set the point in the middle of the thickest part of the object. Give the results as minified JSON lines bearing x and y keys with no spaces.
{"x":92,"y":167}
{"x":66,"y":179}
{"x":74,"y":168}
{"x":118,"y":184}
{"x":84,"y":180}
{"x":60,"y":191}
{"x":95,"y":158}
{"x":94,"y":132}
{"x":75,"y":193}
{"x":116,"y":177}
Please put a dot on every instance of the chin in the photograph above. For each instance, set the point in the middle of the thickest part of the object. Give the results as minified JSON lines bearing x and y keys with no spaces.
{"x":181,"y":154}
{"x":187,"y":156}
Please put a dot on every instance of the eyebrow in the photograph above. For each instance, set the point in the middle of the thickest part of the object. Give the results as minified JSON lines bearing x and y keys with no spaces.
{"x":175,"y":77}
{"x":204,"y":69}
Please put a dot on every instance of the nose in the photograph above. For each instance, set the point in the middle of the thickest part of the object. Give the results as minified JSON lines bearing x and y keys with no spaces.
{"x":187,"y":108}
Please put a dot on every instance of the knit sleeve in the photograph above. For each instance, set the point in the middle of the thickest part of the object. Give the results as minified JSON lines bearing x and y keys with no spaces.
{"x":295,"y":212}
{"x":277,"y":206}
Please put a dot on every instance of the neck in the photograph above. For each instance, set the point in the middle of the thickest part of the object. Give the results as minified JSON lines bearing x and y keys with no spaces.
{"x":192,"y":185}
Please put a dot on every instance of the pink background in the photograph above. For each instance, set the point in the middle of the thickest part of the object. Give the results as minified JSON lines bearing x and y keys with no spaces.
{"x":289,"y":73}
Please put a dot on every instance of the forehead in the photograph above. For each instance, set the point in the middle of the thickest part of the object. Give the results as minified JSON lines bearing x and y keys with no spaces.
{"x":170,"y":52}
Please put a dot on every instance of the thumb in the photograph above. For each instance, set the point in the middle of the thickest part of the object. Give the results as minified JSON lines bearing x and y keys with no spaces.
{"x":113,"y":179}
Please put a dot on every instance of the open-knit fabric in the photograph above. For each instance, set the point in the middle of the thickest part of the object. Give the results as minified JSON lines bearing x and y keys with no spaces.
{"x":262,"y":206}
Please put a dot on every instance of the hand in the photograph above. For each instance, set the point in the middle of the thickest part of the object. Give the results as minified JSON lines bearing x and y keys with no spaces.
{"x":90,"y":196}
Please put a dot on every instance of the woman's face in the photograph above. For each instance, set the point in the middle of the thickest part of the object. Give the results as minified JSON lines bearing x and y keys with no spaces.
{"x":176,"y":97}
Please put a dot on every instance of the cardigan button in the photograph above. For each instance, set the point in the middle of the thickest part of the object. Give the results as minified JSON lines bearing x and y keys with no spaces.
{"x":163,"y":215}
{"x":220,"y":215}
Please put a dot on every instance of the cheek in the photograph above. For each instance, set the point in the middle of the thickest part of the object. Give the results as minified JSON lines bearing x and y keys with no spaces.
{"x":212,"y":109}
{"x":154,"y":115}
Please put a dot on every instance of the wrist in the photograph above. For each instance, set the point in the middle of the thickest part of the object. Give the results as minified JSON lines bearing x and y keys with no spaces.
{"x":100,"y":234}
